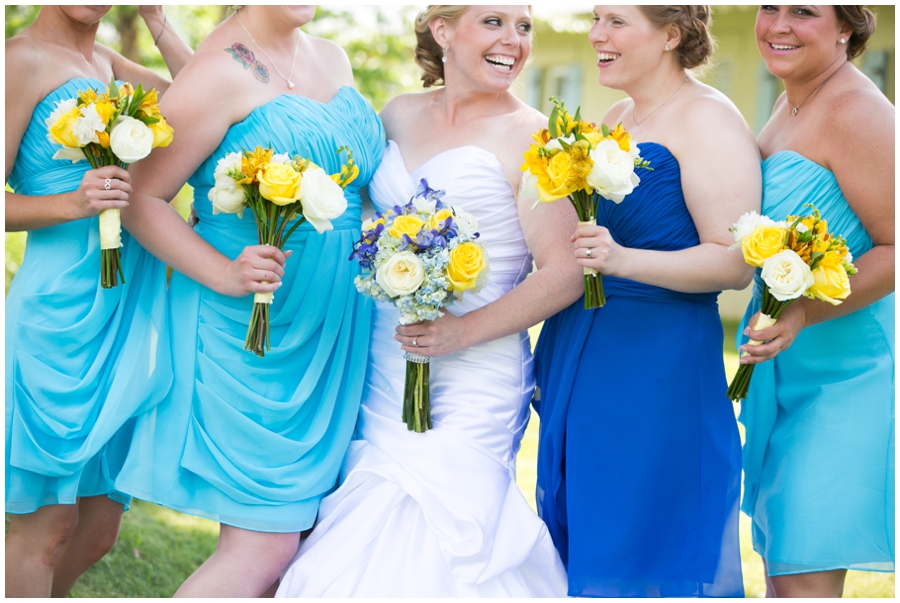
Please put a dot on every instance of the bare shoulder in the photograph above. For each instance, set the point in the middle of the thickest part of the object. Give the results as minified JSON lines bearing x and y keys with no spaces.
{"x":27,"y":61}
{"x":711,"y":114}
{"x":403,"y":110}
{"x":860,"y":112}
{"x":617,"y":112}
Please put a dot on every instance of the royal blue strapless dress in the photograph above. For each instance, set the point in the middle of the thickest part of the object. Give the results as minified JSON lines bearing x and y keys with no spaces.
{"x":819,"y":455}
{"x":80,"y":360}
{"x":256,"y":442}
{"x":639,"y":460}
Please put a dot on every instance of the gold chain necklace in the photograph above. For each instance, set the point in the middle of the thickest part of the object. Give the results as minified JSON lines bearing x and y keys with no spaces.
{"x":634,"y":119}
{"x":287,"y":79}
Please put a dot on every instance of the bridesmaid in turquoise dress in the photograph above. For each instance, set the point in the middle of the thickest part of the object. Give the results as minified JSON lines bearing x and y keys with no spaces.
{"x":254,"y":443}
{"x":80,"y":360}
{"x":639,"y":460}
{"x":819,"y":455}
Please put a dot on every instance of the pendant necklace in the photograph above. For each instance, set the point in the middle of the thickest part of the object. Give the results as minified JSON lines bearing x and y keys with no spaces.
{"x":634,"y":119}
{"x":797,"y":108}
{"x":287,"y":79}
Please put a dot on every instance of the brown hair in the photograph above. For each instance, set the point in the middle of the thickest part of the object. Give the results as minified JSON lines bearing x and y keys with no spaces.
{"x":697,"y":43}
{"x":428,"y":52}
{"x":861,"y":22}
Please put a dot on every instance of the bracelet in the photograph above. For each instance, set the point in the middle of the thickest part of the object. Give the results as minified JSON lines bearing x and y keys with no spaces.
{"x":163,"y":30}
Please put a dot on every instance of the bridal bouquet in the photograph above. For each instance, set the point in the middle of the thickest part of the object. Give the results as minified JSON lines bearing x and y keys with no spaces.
{"x":798,"y":257}
{"x":420,"y":257}
{"x":278,"y":190}
{"x":576,"y":159}
{"x":115,"y":127}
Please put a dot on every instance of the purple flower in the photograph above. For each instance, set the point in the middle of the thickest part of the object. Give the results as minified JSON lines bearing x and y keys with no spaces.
{"x":426,"y":192}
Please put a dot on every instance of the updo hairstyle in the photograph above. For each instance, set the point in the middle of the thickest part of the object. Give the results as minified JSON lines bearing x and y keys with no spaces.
{"x":428,"y":52}
{"x":697,"y":44}
{"x":861,"y":22}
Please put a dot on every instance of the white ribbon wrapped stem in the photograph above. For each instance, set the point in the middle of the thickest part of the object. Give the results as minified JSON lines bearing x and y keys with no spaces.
{"x":110,"y":229}
{"x":763,"y":322}
{"x":263,"y":298}
{"x":589,"y":271}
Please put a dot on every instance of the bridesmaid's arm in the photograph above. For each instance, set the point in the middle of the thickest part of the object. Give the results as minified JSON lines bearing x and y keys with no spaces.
{"x":865,"y":174}
{"x":200,"y":107}
{"x":25,"y":62}
{"x":721,"y":180}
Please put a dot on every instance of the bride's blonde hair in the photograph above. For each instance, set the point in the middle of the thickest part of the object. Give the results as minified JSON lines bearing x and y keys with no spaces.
{"x":429,"y":53}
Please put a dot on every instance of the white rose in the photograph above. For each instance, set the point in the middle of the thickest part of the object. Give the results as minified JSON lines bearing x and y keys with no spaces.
{"x":130,"y":139}
{"x":634,"y":151}
{"x":280,"y":158}
{"x":62,"y":107}
{"x":466,"y":223}
{"x":227,"y":198}
{"x":746,"y":224}
{"x":323,"y":200}
{"x":402,"y":274}
{"x":612,"y":175}
{"x":787,"y":275}
{"x":86,"y":127}
{"x":528,"y":188}
{"x":229,"y":163}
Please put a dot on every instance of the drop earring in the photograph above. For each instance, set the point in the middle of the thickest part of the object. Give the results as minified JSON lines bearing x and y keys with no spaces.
{"x":444,"y":58}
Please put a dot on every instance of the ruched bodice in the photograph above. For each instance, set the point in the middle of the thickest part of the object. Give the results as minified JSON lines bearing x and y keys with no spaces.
{"x":255,"y":442}
{"x":80,"y":360}
{"x":818,"y":457}
{"x":633,"y":411}
{"x":439,"y":513}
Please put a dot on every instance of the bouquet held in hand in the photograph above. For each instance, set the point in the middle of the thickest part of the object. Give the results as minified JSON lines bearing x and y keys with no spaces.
{"x":798,"y":257}
{"x":420,"y":257}
{"x":283,"y":193}
{"x":116,"y":127}
{"x":579,"y":160}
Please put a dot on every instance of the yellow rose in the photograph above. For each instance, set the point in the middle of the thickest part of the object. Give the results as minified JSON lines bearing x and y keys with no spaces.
{"x":832,"y":283}
{"x":439,"y":219}
{"x":466,"y":263}
{"x":556,"y":184}
{"x":162,"y":133}
{"x":406,"y":225}
{"x":593,"y":137}
{"x":279,"y":183}
{"x":764,"y":242}
{"x":62,"y":130}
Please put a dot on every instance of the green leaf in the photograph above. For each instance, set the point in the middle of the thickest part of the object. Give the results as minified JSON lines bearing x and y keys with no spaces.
{"x":552,"y":123}
{"x":604,"y":129}
{"x":578,"y":114}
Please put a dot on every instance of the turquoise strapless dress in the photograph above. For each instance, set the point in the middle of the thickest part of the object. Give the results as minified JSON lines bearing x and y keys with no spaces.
{"x":639,"y":458}
{"x":80,"y":360}
{"x":819,"y":455}
{"x":256,"y":442}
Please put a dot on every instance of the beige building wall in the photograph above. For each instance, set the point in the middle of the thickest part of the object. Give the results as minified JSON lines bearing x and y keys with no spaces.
{"x":563,"y":64}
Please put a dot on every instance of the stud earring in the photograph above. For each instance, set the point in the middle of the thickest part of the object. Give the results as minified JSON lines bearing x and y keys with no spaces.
{"x":444,"y":58}
{"x":667,"y":48}
{"x":843,"y":40}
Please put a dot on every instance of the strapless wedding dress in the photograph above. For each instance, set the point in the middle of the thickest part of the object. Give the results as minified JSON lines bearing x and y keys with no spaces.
{"x":439,"y":514}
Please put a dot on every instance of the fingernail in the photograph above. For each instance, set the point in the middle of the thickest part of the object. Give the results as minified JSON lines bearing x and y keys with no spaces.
{"x":747,"y":331}
{"x":280,"y":283}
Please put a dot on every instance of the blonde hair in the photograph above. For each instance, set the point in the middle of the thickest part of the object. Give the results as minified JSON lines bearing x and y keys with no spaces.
{"x":697,"y":43}
{"x":429,"y":53}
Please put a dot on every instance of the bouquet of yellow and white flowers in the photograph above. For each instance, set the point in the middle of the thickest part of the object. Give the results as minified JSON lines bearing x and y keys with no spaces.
{"x":798,"y":257}
{"x":581,"y":161}
{"x":115,"y":127}
{"x":420,"y":257}
{"x":278,"y":189}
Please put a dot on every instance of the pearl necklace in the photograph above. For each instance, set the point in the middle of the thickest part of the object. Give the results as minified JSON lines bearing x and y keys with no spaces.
{"x":287,"y":79}
{"x":634,"y":119}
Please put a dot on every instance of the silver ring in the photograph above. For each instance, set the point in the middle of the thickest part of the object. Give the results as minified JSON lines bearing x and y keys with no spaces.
{"x":416,"y":341}
{"x":106,"y":183}
{"x":588,"y":252}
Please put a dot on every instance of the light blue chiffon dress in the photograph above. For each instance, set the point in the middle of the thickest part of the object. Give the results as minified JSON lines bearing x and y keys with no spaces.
{"x":80,"y":360}
{"x":256,"y":442}
{"x":819,"y":455}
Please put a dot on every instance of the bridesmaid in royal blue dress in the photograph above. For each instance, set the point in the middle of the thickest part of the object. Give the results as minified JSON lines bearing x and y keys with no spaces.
{"x":639,"y":459}
{"x":819,"y":456}
{"x":80,"y":360}
{"x":254,"y":443}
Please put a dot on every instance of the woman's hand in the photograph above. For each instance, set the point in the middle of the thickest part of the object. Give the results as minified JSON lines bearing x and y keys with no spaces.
{"x":440,"y":337}
{"x":258,"y":269}
{"x":595,"y":248}
{"x":104,"y":188}
{"x":777,"y":338}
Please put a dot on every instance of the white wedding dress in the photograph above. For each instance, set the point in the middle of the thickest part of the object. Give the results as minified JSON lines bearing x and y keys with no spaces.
{"x":438,"y":514}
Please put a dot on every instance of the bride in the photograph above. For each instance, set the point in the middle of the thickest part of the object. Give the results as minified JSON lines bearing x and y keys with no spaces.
{"x":439,"y":514}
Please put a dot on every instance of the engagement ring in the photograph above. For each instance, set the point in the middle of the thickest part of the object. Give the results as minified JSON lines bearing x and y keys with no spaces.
{"x":588,"y":252}
{"x":416,"y":341}
{"x":106,"y":183}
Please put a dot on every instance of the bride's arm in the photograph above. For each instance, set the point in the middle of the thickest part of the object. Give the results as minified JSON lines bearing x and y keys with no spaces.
{"x":555,"y":284}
